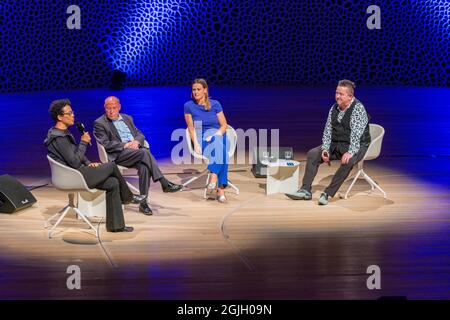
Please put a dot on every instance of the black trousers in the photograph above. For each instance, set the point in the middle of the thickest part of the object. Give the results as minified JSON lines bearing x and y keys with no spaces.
{"x":107,"y":177}
{"x":314,"y":160}
{"x":143,"y":160}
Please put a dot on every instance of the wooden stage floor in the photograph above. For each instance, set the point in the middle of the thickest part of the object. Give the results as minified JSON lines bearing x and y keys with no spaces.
{"x":253,"y":247}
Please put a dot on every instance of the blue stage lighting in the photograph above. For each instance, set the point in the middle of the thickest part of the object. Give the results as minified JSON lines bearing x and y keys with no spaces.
{"x":146,"y":24}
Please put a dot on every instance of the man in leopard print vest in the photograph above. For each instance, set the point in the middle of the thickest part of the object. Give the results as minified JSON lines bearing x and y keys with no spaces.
{"x":346,"y":137}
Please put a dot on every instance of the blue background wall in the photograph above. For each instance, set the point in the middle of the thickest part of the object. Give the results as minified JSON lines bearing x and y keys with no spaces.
{"x":228,"y":42}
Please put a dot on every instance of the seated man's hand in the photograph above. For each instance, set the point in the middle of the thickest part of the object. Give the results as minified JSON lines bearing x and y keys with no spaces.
{"x":94,"y":164}
{"x":325,"y":156}
{"x":346,"y":157}
{"x":132,"y":145}
{"x":208,"y":139}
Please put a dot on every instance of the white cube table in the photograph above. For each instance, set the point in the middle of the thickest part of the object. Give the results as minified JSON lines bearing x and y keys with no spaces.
{"x":92,"y":204}
{"x":282,"y":176}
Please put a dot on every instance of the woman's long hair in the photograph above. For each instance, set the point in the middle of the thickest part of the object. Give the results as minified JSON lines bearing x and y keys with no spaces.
{"x":205,"y":86}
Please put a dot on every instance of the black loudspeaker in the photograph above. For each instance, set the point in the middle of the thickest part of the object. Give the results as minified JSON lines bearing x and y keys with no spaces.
{"x":259,"y":169}
{"x":13,"y":195}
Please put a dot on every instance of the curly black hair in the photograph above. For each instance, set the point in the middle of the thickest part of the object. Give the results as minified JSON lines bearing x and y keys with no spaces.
{"x":56,"y":106}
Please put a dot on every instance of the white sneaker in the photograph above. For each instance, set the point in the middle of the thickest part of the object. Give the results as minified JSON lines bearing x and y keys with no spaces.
{"x":323,"y":200}
{"x":222,"y":199}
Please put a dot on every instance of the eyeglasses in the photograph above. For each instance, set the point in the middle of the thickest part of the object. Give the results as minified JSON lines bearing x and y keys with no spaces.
{"x":71,"y":113}
{"x":112,"y":108}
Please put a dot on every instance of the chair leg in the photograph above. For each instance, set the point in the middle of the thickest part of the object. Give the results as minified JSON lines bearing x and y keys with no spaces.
{"x":206,"y":186}
{"x":47,"y":222}
{"x":63,"y":214}
{"x":236,"y":189}
{"x":374,"y":185}
{"x":353,"y":183}
{"x":133,"y":188}
{"x":369,"y":181}
{"x":364,"y":176}
{"x":194,"y":178}
{"x":81,"y":214}
{"x":190,"y":181}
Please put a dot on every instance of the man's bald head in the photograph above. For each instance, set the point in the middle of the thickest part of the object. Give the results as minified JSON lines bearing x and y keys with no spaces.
{"x":112,"y":107}
{"x":111,"y":99}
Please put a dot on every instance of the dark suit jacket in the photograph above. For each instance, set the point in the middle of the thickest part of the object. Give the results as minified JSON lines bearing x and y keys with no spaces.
{"x":106,"y":134}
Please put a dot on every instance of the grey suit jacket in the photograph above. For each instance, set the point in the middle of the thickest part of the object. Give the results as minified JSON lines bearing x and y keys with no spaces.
{"x":106,"y":134}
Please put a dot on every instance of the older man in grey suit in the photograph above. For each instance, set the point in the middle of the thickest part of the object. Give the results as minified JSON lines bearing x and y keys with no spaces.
{"x":124,"y":144}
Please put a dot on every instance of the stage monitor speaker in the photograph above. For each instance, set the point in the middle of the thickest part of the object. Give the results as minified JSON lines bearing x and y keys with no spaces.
{"x":259,"y":169}
{"x":13,"y":195}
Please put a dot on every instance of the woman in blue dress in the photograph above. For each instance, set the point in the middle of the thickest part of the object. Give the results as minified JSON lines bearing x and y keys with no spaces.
{"x":207,"y":127}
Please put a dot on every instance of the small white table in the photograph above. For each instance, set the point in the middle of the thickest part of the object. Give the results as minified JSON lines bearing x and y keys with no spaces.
{"x":92,"y":204}
{"x":282,"y":176}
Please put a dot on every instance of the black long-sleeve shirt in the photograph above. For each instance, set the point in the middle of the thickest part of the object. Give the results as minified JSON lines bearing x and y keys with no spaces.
{"x":61,"y":147}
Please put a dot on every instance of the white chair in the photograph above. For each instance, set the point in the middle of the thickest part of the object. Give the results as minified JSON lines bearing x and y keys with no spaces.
{"x":91,"y":202}
{"x":126,"y":172}
{"x":232,"y":139}
{"x":376,"y":134}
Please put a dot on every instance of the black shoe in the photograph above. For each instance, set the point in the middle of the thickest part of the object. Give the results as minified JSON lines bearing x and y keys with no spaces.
{"x":136,"y":199}
{"x":124,"y":229}
{"x":172,"y":187}
{"x":145,"y":209}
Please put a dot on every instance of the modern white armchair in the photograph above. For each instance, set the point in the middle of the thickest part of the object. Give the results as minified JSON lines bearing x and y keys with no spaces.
{"x":376,"y":134}
{"x":90,"y":202}
{"x":126,"y":172}
{"x":232,"y":138}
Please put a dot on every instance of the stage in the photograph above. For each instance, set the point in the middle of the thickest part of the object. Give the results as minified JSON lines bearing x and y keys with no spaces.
{"x":255,"y":246}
